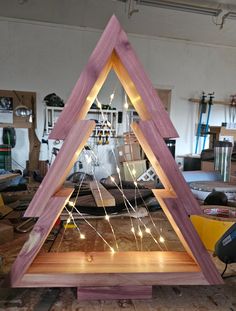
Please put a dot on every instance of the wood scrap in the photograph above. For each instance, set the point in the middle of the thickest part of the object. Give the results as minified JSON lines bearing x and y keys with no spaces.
{"x":101,"y":195}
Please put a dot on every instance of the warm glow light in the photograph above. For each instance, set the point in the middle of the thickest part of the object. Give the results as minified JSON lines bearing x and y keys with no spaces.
{"x":132,"y":229}
{"x":82,"y":236}
{"x":112,"y":178}
{"x":88,"y":159}
{"x":112,"y":250}
{"x":140,"y":233}
{"x":108,"y":124}
{"x":99,"y":105}
{"x":118,"y":170}
{"x":148,"y":230}
{"x":133,"y":172}
{"x":68,"y":220}
{"x":161,"y":239}
{"x":126,"y":105}
{"x":112,"y":97}
{"x":135,"y":183}
{"x":107,"y":217}
{"x":70,"y":203}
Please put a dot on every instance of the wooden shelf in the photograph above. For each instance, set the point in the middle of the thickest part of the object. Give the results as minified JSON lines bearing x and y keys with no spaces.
{"x":105,"y":268}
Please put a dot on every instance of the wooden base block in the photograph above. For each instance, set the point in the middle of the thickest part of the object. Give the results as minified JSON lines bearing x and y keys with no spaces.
{"x":114,"y":292}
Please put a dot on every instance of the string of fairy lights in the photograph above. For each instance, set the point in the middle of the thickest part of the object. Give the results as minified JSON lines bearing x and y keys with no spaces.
{"x":138,"y":227}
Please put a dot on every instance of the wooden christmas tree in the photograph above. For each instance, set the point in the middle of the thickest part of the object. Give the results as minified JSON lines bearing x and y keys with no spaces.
{"x":194,"y":266}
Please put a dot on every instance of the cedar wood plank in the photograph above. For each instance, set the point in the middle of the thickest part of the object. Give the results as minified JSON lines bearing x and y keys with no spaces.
{"x":176,"y":209}
{"x":118,"y":279}
{"x":183,"y":226}
{"x":98,"y":60}
{"x":61,"y":166}
{"x":101,"y":196}
{"x":144,"y":87}
{"x":38,"y":235}
{"x":160,"y":156}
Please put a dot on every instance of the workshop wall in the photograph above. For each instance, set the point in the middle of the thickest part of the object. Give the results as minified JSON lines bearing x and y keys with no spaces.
{"x":48,"y":58}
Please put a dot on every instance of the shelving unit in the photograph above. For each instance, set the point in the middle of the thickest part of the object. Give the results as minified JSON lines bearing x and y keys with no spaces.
{"x":51,"y":115}
{"x":101,"y":129}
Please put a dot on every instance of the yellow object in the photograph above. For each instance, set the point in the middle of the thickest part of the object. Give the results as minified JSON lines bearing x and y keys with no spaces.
{"x":69,"y":226}
{"x":210,"y":229}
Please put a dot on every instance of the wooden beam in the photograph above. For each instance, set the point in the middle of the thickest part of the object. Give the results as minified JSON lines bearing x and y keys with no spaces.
{"x":101,"y":195}
{"x":164,"y":164}
{"x":61,"y":167}
{"x":215,"y":102}
{"x":114,"y":292}
{"x":89,"y":82}
{"x":126,"y":268}
{"x":38,"y":235}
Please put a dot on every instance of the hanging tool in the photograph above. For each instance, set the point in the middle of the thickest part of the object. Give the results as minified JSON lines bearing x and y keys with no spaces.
{"x":232,"y":110}
{"x":203,"y":108}
{"x":210,"y":103}
{"x":99,"y":142}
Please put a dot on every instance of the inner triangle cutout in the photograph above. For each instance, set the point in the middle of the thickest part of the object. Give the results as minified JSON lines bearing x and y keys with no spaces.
{"x":74,"y":269}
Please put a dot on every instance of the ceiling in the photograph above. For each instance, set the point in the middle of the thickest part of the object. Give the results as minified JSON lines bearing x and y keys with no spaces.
{"x":145,"y":17}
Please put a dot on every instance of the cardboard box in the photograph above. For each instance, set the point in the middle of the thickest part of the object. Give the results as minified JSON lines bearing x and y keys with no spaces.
{"x":130,"y":152}
{"x":207,"y":166}
{"x":139,"y":167}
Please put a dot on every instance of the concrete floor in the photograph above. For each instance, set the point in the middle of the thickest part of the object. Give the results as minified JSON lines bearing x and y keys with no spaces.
{"x":181,"y":298}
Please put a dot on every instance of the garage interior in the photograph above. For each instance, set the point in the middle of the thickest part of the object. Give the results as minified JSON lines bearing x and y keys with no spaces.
{"x":117,"y":157}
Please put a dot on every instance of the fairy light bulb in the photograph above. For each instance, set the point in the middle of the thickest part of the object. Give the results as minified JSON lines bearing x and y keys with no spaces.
{"x":112,"y":250}
{"x":132,"y":229}
{"x":112,"y":178}
{"x":140,"y":233}
{"x":161,"y":239}
{"x":88,"y":159}
{"x":68,"y":220}
{"x":133,"y":172}
{"x":112,"y":97}
{"x":107,"y":217}
{"x":99,"y":105}
{"x":148,"y":230}
{"x":82,"y":236}
{"x":70,"y":203}
{"x":135,"y":183}
{"x":126,"y":105}
{"x":108,"y":124}
{"x":118,"y":170}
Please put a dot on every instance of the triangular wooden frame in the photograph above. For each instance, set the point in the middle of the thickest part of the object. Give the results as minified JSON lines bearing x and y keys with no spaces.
{"x":73,"y":269}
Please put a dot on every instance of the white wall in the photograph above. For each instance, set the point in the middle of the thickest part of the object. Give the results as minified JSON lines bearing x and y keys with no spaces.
{"x":49,"y":58}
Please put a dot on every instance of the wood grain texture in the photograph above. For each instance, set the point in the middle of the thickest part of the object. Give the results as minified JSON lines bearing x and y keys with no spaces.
{"x":101,"y":195}
{"x":38,"y":235}
{"x":6,"y":177}
{"x":177,"y":209}
{"x":118,"y":279}
{"x":144,"y":87}
{"x":89,"y":82}
{"x":114,"y":292}
{"x":61,"y":167}
{"x":164,"y":164}
{"x":107,"y":269}
{"x":190,"y":239}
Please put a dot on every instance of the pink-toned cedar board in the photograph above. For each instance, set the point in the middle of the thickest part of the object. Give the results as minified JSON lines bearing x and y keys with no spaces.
{"x":114,"y":292}
{"x":120,"y":279}
{"x":145,"y":89}
{"x":99,"y":59}
{"x":189,"y":237}
{"x":61,"y":166}
{"x":176,"y":206}
{"x":160,"y":157}
{"x":38,"y":235}
{"x":96,"y":71}
{"x":106,"y":269}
